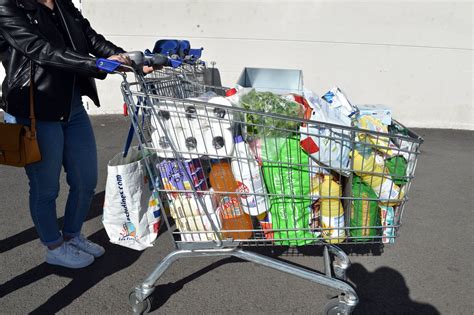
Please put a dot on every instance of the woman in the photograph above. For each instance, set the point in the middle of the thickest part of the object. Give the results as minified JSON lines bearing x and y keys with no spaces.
{"x":52,"y":38}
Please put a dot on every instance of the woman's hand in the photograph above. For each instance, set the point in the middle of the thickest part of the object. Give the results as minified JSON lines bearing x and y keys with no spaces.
{"x":124,"y":59}
{"x":148,"y":69}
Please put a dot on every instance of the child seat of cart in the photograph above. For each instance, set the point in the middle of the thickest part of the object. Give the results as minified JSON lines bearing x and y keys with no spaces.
{"x":178,"y":48}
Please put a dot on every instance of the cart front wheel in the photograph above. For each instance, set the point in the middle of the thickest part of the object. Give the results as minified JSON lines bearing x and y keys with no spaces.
{"x":139,"y":307}
{"x":335,"y":307}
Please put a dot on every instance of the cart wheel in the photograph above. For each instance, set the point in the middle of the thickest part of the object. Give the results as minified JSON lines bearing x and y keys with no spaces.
{"x":137,"y":306}
{"x":334,"y":307}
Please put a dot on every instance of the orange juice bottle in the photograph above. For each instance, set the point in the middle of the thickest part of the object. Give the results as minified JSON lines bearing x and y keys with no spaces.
{"x":232,"y":215}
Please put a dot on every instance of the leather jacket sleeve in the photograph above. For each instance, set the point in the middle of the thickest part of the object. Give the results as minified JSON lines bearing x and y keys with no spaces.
{"x":98,"y":45}
{"x":17,"y":30}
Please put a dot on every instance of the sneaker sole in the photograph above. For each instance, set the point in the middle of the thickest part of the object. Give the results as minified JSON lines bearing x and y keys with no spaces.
{"x":97,"y":256}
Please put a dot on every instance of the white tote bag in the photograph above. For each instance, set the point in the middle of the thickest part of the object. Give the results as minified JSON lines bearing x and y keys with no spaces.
{"x":132,"y":213}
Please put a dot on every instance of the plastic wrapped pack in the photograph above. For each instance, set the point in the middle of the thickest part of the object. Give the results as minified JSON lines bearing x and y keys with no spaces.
{"x":285,"y":172}
{"x":328,"y":145}
{"x":194,"y":131}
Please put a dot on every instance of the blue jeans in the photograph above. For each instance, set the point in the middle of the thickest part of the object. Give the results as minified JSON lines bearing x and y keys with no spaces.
{"x":70,"y":144}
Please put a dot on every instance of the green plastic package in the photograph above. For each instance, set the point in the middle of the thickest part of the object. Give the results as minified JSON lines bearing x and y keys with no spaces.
{"x":397,"y":166}
{"x":284,"y":178}
{"x":363,"y":212}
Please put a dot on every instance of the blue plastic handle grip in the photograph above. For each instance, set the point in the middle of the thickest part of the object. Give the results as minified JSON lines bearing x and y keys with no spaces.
{"x":107,"y":65}
{"x":196,"y":53}
{"x":175,"y":63}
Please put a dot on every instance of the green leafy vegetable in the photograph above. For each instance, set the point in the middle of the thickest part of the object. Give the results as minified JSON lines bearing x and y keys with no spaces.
{"x":268,"y":102}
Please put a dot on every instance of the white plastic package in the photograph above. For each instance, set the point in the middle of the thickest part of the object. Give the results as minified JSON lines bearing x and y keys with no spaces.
{"x":193,"y":129}
{"x":329,"y":146}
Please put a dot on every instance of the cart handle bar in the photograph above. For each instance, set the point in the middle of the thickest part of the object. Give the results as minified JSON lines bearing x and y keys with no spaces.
{"x":138,"y":59}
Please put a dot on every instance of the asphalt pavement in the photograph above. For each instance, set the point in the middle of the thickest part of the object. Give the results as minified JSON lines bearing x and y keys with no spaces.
{"x":428,"y":271}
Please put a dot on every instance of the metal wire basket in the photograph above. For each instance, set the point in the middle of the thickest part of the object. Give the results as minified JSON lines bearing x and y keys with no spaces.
{"x":233,"y":177}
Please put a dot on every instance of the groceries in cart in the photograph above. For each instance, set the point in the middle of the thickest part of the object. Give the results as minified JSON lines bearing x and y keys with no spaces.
{"x":374,"y":161}
{"x":291,"y":175}
{"x":277,"y":165}
{"x":192,"y":129}
{"x":329,"y":145}
{"x":328,"y":191}
{"x":287,"y":179}
{"x":191,"y":218}
{"x":181,"y":176}
{"x":248,"y":175}
{"x":365,"y":212}
{"x":232,"y":214}
{"x":371,"y":168}
{"x":258,"y":126}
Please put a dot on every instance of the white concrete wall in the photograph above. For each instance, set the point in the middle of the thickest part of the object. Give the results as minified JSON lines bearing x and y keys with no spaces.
{"x":416,"y":57}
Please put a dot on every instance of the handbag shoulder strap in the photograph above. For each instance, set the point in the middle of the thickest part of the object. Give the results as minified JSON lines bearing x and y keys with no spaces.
{"x":32,"y":101}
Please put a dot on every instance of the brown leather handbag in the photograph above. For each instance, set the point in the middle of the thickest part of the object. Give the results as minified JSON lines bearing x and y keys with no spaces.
{"x":18,"y":143}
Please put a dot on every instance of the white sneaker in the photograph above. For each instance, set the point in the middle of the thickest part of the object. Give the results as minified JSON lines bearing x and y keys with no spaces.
{"x":68,"y":256}
{"x":82,"y":243}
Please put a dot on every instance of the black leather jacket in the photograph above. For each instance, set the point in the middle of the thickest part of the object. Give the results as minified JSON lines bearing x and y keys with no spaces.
{"x":28,"y":38}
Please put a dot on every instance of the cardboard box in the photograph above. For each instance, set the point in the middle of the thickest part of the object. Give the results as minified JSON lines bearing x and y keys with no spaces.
{"x":381,"y":112}
{"x":279,"y":81}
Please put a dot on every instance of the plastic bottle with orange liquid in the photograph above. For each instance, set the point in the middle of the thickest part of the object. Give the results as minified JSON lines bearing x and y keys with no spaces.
{"x":232,"y":215}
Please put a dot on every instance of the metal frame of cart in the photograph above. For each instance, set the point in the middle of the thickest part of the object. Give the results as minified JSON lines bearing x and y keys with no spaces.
{"x":148,"y":98}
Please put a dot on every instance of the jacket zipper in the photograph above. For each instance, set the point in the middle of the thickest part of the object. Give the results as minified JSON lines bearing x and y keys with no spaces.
{"x":74,"y":47}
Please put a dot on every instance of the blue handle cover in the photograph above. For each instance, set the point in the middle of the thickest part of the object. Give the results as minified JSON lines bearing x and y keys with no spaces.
{"x":196,"y":53}
{"x":175,"y":63}
{"x":107,"y":65}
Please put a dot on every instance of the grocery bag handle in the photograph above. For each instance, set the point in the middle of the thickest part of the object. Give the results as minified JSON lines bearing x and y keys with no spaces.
{"x":129,"y":140}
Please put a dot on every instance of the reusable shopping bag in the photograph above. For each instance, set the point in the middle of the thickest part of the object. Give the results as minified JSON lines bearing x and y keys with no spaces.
{"x":132,"y":213}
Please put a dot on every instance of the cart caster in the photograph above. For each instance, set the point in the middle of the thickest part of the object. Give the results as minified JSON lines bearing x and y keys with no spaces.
{"x":336,"y":307}
{"x":340,"y":264}
{"x":139,"y":307}
{"x":339,"y":273}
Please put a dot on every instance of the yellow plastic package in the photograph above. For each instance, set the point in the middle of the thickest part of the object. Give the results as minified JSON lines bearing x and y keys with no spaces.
{"x":381,"y":182}
{"x":371,"y":123}
{"x":332,"y":212}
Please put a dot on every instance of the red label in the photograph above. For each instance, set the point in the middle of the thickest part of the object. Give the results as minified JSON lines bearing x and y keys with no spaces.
{"x":230,"y":92}
{"x":309,"y":145}
{"x":242,"y":188}
{"x":230,"y":207}
{"x":156,"y":227}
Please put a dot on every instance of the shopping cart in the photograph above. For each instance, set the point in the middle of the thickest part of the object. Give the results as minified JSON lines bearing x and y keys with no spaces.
{"x":234,"y":178}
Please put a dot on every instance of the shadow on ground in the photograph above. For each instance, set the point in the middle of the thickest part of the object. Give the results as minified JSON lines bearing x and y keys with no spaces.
{"x":164,"y":291}
{"x":81,"y":279}
{"x":384,"y":291}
